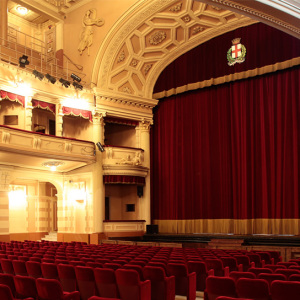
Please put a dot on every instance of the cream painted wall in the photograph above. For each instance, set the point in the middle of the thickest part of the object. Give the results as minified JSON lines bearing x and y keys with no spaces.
{"x":77,"y":127}
{"x":7,"y":108}
{"x":120,"y":135}
{"x":119,"y":197}
{"x":111,"y":10}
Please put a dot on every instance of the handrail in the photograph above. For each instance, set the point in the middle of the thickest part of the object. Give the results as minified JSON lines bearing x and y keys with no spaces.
{"x":79,"y":67}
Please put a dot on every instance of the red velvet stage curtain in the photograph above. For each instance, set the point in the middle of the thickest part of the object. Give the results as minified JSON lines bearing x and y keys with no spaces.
{"x":229,"y":151}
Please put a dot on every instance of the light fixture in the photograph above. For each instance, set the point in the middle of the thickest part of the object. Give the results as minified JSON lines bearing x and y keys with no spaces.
{"x":22,"y":10}
{"x":23,"y":61}
{"x":52,"y":164}
{"x":100,"y":147}
{"x":77,"y":86}
{"x":50,"y":78}
{"x":75,"y":77}
{"x":64,"y":82}
{"x":38,"y":75}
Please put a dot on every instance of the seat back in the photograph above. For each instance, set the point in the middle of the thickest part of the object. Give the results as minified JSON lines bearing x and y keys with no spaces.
{"x":8,"y":279}
{"x":5,"y":292}
{"x":129,"y":285}
{"x":215,"y":264}
{"x":25,"y":287}
{"x":106,"y":283}
{"x":67,"y":277}
{"x":34,"y":269}
{"x":287,"y":272}
{"x":257,"y":271}
{"x":271,"y":277}
{"x":180,"y":272}
{"x":199,"y":267}
{"x":49,"y":289}
{"x":253,"y":288}
{"x":283,"y":290}
{"x":235,"y":275}
{"x":19,"y":267}
{"x":7,"y":266}
{"x":86,"y":281}
{"x":219,"y":286}
{"x":49,"y":270}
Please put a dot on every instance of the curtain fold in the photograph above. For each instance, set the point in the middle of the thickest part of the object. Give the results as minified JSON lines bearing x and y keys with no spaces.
{"x":12,"y":97}
{"x":229,"y":152}
{"x":43,"y":105}
{"x":86,"y":114}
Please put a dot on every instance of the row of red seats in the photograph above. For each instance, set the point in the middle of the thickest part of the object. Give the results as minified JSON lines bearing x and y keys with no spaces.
{"x":250,"y":288}
{"x":122,"y":284}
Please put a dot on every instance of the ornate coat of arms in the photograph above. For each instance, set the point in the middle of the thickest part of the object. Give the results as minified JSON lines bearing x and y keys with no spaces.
{"x":236,"y":53}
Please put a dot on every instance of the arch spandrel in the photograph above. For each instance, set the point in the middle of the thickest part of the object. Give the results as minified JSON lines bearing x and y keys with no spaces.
{"x":153,"y":34}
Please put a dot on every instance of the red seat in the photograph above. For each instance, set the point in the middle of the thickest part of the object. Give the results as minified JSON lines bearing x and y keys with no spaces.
{"x":231,"y":263}
{"x":216,"y":264}
{"x":49,"y":270}
{"x":34,"y":269}
{"x":199,"y":267}
{"x":257,"y":271}
{"x":235,"y":275}
{"x":112,"y":266}
{"x":162,"y":287}
{"x":8,"y":279}
{"x":19,"y":267}
{"x":257,"y":289}
{"x":106,"y":283}
{"x":7,"y":266}
{"x":25,"y":287}
{"x":185,"y":282}
{"x":219,"y":286}
{"x":244,"y":260}
{"x":285,"y":290}
{"x":86,"y":281}
{"x":130,"y":287}
{"x":271,"y":277}
{"x":6,"y":294}
{"x":287,"y":272}
{"x":287,"y":264}
{"x":293,"y":277}
{"x":255,"y":258}
{"x":231,"y":298}
{"x":51,"y":289}
{"x":274,"y":267}
{"x":102,"y":298}
{"x":138,"y":268}
{"x":67,"y":277}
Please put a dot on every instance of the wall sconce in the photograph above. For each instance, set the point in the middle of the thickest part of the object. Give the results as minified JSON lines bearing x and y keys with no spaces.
{"x":100,"y":147}
{"x":64,"y":82}
{"x":23,"y":61}
{"x":75,"y":77}
{"x":38,"y":75}
{"x":50,"y":78}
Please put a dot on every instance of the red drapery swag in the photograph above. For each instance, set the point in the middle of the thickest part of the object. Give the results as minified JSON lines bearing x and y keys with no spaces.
{"x":123,"y":179}
{"x":12,"y":97}
{"x":229,"y":152}
{"x":43,"y":105}
{"x":86,"y":114}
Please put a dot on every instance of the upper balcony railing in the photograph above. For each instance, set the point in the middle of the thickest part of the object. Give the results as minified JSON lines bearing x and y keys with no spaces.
{"x":18,"y":44}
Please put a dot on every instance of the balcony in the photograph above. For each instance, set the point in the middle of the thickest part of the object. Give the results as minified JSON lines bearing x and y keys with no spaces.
{"x":124,"y":161}
{"x":39,"y":151}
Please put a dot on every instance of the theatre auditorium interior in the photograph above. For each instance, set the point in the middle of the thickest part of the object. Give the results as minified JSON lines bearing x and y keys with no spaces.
{"x":149,"y":149}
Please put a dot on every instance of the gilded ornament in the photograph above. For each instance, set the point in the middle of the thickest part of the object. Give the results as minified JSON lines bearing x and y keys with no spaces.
{"x":157,"y":37}
{"x":176,"y":8}
{"x":121,"y":57}
{"x":198,"y":29}
{"x":147,"y":68}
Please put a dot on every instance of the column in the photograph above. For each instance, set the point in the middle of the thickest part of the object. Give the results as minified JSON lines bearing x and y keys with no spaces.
{"x":98,"y":186}
{"x":3,"y":21}
{"x":144,"y":129}
{"x":28,"y":113}
{"x":59,"y":121}
{"x":4,"y":206}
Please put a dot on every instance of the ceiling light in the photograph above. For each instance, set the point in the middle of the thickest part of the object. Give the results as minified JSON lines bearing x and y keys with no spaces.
{"x":77,"y":86}
{"x":23,"y":61}
{"x":64,"y":82}
{"x":52,"y":164}
{"x":38,"y":75}
{"x":75,"y":77}
{"x":22,"y":10}
{"x":50,"y":78}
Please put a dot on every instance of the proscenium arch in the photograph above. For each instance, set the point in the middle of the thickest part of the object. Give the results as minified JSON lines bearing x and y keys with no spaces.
{"x":153,"y":33}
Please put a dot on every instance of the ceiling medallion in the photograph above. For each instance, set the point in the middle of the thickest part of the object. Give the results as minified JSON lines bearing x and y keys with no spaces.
{"x":157,"y":37}
{"x":52,"y":164}
{"x":22,"y":10}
